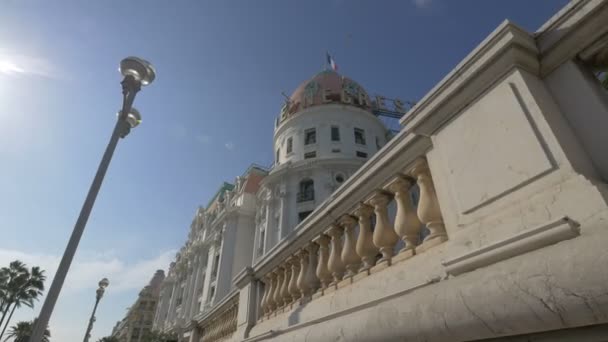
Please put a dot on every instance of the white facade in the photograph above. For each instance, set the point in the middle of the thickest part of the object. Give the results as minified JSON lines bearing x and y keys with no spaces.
{"x":218,"y":247}
{"x":317,"y":147}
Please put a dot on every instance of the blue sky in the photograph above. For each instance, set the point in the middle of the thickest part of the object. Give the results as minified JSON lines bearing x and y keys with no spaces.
{"x":222,"y":66}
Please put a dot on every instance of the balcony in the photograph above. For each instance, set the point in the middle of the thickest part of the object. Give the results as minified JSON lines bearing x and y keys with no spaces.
{"x":305,"y":196}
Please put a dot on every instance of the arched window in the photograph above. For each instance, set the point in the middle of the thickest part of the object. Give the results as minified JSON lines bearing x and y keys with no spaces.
{"x":307,"y":190}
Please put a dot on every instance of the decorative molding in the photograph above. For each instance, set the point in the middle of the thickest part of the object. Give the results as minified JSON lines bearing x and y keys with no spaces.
{"x":243,"y":277}
{"x":277,"y":173}
{"x":529,"y":240}
{"x":591,"y":51}
{"x":341,"y":313}
{"x":572,"y":30}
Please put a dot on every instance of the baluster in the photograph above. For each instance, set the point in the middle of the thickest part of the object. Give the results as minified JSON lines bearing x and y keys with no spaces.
{"x":311,"y":277}
{"x":272,"y":305}
{"x":384,"y":236}
{"x":278,"y":298}
{"x":349,"y":254}
{"x":429,"y":212}
{"x":323,"y":272}
{"x":302,"y":283}
{"x":365,"y":244}
{"x":335,"y":265}
{"x":407,"y":225}
{"x":264,"y":301}
{"x":285,"y":289}
{"x":293,"y":282}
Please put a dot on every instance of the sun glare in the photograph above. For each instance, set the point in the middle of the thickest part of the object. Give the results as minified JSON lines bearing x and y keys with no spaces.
{"x":9,"y":68}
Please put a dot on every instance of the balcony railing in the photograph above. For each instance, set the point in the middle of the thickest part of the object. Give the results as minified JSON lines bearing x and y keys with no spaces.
{"x":221,"y":322}
{"x":305,"y":196}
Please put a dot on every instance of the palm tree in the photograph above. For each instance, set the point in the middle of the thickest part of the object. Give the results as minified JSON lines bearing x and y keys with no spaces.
{"x":29,"y":291}
{"x":3,"y":286}
{"x":22,"y":331}
{"x":15,"y":277}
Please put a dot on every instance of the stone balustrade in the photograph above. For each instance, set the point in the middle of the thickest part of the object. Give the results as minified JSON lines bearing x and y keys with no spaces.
{"x":361,"y":241}
{"x":221,"y":323}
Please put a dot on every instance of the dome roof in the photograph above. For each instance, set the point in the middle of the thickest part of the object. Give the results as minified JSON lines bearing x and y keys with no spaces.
{"x":326,"y":87}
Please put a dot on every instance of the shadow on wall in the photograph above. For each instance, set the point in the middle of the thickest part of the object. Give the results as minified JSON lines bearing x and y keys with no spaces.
{"x":294,"y":316}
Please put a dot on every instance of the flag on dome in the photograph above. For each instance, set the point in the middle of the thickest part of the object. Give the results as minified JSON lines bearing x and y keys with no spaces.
{"x":331,"y":62}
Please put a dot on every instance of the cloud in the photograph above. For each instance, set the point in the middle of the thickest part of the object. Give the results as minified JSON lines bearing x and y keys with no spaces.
{"x":230,"y":146}
{"x":203,"y":138}
{"x":422,"y":3}
{"x":14,"y":64}
{"x":86,"y":272}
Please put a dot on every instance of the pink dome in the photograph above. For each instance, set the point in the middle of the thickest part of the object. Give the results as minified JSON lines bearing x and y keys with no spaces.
{"x":327,"y":87}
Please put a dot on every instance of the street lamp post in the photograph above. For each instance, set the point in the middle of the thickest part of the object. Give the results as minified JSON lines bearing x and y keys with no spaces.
{"x":103,"y":283}
{"x":137,"y":73}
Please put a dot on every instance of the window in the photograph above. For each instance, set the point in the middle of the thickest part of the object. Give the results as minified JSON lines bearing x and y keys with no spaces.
{"x":377,"y":143}
{"x":309,"y":155}
{"x":359,"y":136}
{"x":335,"y":133}
{"x":339,"y":178}
{"x":216,"y":263}
{"x":361,"y":154}
{"x":303,"y":215}
{"x":336,"y":150}
{"x":278,"y":154}
{"x":211,"y":293}
{"x":261,"y":242}
{"x":307,"y":191}
{"x":180,"y":297}
{"x":135,"y":334}
{"x":310,"y":136}
{"x":289,"y":145}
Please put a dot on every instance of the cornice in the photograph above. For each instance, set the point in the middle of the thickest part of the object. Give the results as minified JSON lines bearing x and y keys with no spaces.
{"x":308,"y":164}
{"x":218,"y":308}
{"x":579,"y":25}
{"x":322,"y":108}
{"x":243,"y":277}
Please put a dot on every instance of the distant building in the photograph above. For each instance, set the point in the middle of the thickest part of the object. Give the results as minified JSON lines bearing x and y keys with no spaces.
{"x":140,"y":316}
{"x":220,"y":244}
{"x":483,"y":219}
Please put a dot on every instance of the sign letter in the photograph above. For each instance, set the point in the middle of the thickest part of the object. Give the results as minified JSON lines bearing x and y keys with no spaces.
{"x":380,"y":102}
{"x":326,"y":93}
{"x":399,"y":106}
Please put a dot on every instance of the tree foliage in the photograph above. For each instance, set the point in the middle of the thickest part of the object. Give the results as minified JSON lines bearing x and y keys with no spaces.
{"x":18,"y":287}
{"x":108,"y":339}
{"x":157,"y":336}
{"x":22,"y":331}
